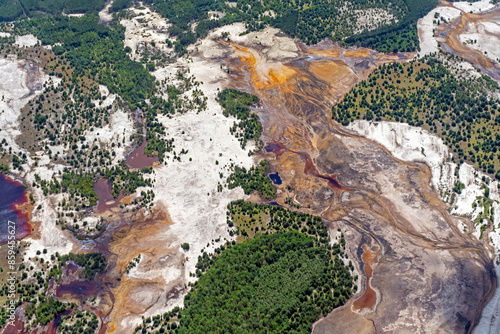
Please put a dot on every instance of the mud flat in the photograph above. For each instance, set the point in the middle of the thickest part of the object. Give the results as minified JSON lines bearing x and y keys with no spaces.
{"x":368,"y":299}
{"x":414,"y":144}
{"x":470,"y":31}
{"x":425,"y":260}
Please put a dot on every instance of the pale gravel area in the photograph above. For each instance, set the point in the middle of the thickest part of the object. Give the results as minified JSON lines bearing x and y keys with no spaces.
{"x":410,"y":143}
{"x":188,"y":189}
{"x":144,"y":28}
{"x":484,"y":37}
{"x":14,"y":94}
{"x":26,"y":40}
{"x":119,"y":130}
{"x":426,"y":26}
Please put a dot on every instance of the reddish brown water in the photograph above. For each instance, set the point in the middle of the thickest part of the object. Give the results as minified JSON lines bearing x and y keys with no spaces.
{"x":50,"y":328}
{"x":106,"y":201}
{"x":276,"y":148}
{"x":369,"y":297}
{"x":12,"y":200}
{"x":310,"y":169}
{"x":75,"y":289}
{"x":138,"y":159}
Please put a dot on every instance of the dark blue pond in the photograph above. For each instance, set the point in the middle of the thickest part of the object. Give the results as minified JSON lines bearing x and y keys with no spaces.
{"x":12,"y":195}
{"x":275,"y":178}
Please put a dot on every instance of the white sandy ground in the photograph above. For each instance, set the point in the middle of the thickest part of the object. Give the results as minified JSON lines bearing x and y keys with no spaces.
{"x":104,"y":15}
{"x":484,"y":37}
{"x":108,"y":98}
{"x":4,"y":34}
{"x":410,"y":143}
{"x":144,"y":28}
{"x":119,"y":130}
{"x":275,"y":45}
{"x":26,"y":40}
{"x":189,"y":188}
{"x":426,"y":25}
{"x":13,"y":90}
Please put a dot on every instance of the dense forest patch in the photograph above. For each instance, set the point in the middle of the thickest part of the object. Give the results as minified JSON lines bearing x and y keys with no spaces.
{"x":96,"y":51}
{"x":236,"y":104}
{"x":279,"y":280}
{"x":278,"y":283}
{"x":13,"y":9}
{"x":310,"y":21}
{"x":394,"y":29}
{"x":426,"y":93}
{"x":255,"y":179}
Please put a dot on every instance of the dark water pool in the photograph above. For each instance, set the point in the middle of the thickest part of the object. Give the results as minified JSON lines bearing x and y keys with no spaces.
{"x":275,"y":178}
{"x":12,"y":194}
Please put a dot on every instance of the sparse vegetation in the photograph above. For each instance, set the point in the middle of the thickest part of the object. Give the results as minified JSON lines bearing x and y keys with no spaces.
{"x":427,"y":93}
{"x":78,"y":322}
{"x":32,"y":285}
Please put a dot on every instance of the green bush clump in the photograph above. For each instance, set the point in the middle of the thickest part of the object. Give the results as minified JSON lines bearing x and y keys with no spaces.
{"x":236,"y":103}
{"x":13,"y":9}
{"x":276,"y":283}
{"x":91,"y":262}
{"x":255,"y":179}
